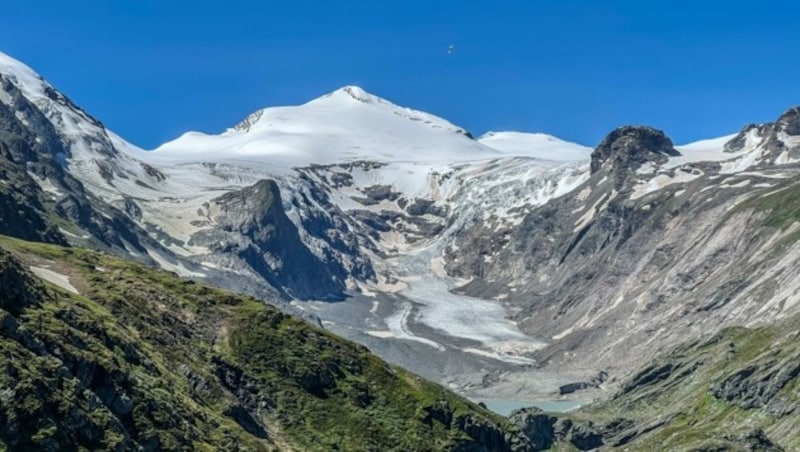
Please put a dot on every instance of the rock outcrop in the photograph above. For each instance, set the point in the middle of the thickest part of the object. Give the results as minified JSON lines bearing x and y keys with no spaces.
{"x":251,"y":224}
{"x":627,"y":148}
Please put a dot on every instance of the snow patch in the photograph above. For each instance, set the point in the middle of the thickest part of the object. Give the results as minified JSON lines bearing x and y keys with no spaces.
{"x":178,"y":268}
{"x":59,"y":279}
{"x":381,"y":334}
{"x":681,"y":175}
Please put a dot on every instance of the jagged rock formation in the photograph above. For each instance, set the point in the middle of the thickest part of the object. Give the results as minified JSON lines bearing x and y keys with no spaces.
{"x":627,"y":148}
{"x":251,"y":224}
{"x":42,"y":195}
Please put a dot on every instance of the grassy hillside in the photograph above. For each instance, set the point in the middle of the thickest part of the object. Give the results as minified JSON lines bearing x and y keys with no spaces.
{"x":139,"y":357}
{"x":737,"y":391}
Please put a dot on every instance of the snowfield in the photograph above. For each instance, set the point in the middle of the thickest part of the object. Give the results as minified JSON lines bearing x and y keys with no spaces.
{"x":536,"y":145}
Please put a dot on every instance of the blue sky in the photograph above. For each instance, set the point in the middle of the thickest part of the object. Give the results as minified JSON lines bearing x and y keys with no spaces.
{"x":151,"y":70}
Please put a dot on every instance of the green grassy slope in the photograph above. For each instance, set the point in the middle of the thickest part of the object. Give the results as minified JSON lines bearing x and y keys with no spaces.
{"x":736,"y":391}
{"x":142,"y":358}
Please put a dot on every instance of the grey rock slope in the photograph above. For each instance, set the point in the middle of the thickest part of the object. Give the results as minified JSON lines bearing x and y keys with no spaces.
{"x":646,"y":253}
{"x":253,"y":226}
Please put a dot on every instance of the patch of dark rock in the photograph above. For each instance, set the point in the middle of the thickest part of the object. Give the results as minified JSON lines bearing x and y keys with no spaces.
{"x":581,"y":234}
{"x":378,"y":193}
{"x":426,"y":206}
{"x":629,"y":147}
{"x":375,"y":221}
{"x":131,"y":208}
{"x":544,"y":430}
{"x":142,"y":184}
{"x":424,"y":227}
{"x":594,"y":382}
{"x":789,"y":122}
{"x":648,"y":376}
{"x":537,"y":426}
{"x":569,"y":388}
{"x":339,"y":180}
{"x":755,"y":440}
{"x":363,"y":165}
{"x":242,"y":417}
{"x":152,"y":172}
{"x":757,"y":385}
{"x":584,"y":436}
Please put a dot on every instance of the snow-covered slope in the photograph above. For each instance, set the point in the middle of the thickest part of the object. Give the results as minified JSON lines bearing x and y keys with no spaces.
{"x":93,"y":153}
{"x":537,"y":145}
{"x":348,"y":124}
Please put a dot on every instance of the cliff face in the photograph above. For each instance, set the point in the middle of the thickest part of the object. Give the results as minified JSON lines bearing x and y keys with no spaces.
{"x":251,"y":224}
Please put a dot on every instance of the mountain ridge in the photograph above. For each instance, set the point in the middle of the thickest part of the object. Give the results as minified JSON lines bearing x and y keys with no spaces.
{"x":572,"y":260}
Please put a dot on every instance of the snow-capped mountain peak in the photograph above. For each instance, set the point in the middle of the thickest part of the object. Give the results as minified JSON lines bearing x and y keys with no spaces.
{"x":355,"y":93}
{"x":345,"y":125}
{"x":347,"y":101}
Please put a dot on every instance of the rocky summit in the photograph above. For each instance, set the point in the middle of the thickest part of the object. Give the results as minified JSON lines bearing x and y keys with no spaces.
{"x":210,"y":293}
{"x":628,"y":147}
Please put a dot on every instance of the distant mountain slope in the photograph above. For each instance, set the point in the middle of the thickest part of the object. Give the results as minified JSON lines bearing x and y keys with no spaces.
{"x":658,"y":244}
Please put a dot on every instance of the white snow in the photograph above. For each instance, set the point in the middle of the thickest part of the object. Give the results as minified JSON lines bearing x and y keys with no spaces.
{"x":46,"y":185}
{"x":711,"y":150}
{"x":178,"y":268}
{"x":59,"y":279}
{"x":345,"y":125}
{"x":681,"y":175}
{"x":23,"y":77}
{"x":380,"y":334}
{"x":536,"y":145}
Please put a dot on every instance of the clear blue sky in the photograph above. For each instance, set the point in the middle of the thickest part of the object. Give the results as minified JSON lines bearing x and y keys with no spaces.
{"x":151,"y":70}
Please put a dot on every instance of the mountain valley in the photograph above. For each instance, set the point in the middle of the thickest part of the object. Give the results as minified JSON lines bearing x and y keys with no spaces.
{"x":658,"y":279}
